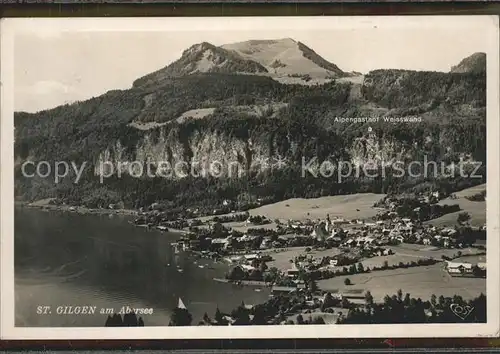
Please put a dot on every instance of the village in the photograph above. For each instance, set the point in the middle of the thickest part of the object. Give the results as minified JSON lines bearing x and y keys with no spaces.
{"x":327,"y":265}
{"x":319,"y":268}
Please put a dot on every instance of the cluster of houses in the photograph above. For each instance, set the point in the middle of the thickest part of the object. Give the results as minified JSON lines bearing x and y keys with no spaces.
{"x":310,"y":264}
{"x":245,"y":260}
{"x":354,"y":234}
{"x":465,"y":268}
{"x":384,"y":232}
{"x":391,"y":203}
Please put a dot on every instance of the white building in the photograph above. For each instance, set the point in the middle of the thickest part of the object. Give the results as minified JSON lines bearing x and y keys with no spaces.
{"x":251,"y":257}
{"x":458,"y":268}
{"x":247,"y":267}
{"x":340,"y":221}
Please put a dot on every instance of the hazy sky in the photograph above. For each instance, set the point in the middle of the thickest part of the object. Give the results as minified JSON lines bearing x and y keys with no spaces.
{"x":52,"y":69}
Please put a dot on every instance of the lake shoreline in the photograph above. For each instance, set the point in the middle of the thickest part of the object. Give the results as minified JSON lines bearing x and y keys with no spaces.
{"x":104,"y":248}
{"x":44,"y":205}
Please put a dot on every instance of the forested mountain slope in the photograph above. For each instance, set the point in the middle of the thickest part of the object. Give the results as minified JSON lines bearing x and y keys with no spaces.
{"x":234,"y":112}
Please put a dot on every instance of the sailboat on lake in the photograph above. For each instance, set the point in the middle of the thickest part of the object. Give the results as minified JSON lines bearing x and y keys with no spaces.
{"x":181,"y":304}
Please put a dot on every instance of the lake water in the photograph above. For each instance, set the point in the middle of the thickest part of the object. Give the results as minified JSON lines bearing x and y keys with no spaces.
{"x":67,"y":259}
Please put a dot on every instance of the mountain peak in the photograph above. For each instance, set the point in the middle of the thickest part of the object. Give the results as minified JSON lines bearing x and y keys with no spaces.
{"x":283,"y":41}
{"x":199,"y":47}
{"x":203,"y":57}
{"x":284,"y":57}
{"x":474,"y":63}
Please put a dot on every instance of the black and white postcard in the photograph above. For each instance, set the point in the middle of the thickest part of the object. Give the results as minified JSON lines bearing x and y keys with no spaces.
{"x":253,"y":177}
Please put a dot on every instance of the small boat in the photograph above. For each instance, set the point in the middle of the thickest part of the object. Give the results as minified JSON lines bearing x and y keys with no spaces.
{"x":180,"y":270}
{"x":181,"y":305}
{"x":258,"y":290}
{"x":201,"y":266}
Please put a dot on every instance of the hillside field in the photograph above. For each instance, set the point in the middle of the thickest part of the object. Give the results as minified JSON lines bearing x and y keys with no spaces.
{"x":419,"y":282}
{"x":353,"y":206}
{"x":477,"y":210}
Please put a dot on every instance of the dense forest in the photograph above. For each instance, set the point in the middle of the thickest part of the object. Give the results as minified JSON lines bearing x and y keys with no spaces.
{"x":293,"y":121}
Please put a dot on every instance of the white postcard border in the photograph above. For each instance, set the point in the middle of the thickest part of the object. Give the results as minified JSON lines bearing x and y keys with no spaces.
{"x":8,"y":29}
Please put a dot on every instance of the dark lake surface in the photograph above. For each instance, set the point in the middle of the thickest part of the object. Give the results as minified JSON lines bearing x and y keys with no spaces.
{"x":67,"y":259}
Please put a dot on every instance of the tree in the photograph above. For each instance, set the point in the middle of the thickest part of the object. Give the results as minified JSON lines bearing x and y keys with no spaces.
{"x":109,"y":321}
{"x":218,"y":315}
{"x":369,"y":298}
{"x":240,"y":315}
{"x":130,"y":319}
{"x":237,"y":273}
{"x":180,"y":317}
{"x":347,"y":281}
{"x":255,"y":274}
{"x":441,"y":301}
{"x":386,"y":265}
{"x":328,"y":300}
{"x":318,"y":320}
{"x":463,"y":217}
{"x":479,"y":306}
{"x":259,"y":315}
{"x":433,"y":300}
{"x":300,"y":319}
{"x":387,"y":300}
{"x":219,"y":319}
{"x":218,"y":229}
{"x":361,"y":269}
{"x":406,"y":300}
{"x":114,"y":321}
{"x":206,"y":319}
{"x":272,"y":275}
{"x":478,"y":272}
{"x":313,"y":286}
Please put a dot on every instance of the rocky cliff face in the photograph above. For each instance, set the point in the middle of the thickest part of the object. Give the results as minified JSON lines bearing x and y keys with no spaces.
{"x":200,"y":152}
{"x":372,"y":149}
{"x":223,"y":154}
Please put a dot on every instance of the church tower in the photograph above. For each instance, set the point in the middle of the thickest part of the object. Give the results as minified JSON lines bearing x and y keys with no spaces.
{"x":328,"y":225}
